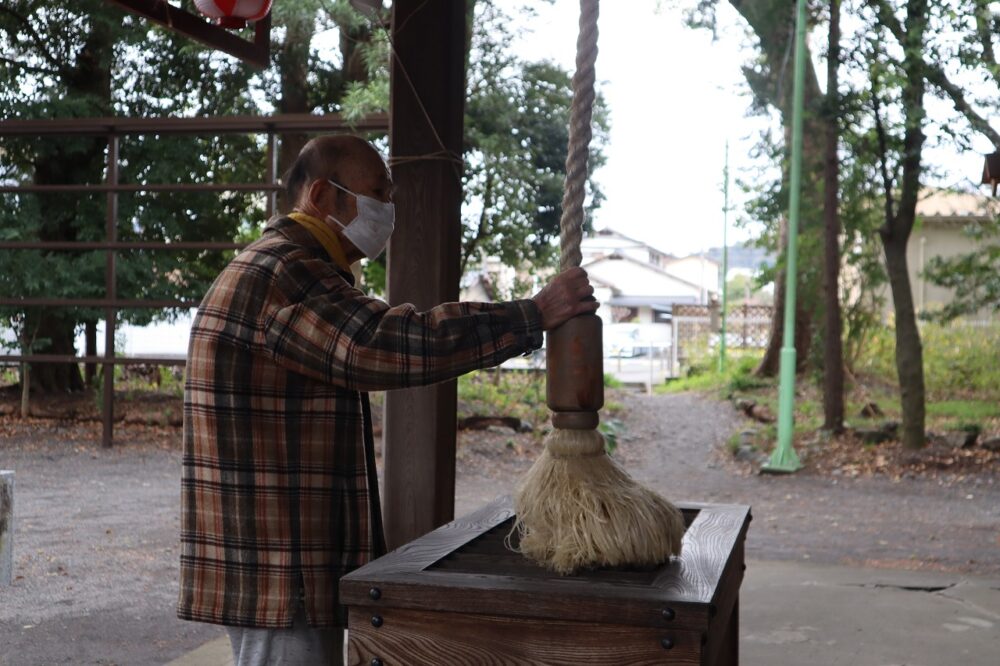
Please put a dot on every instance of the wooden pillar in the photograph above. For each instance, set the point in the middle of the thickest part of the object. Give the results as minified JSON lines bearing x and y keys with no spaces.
{"x":423,"y":259}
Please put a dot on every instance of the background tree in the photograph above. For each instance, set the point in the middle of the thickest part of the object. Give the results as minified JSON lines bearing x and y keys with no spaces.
{"x":900,"y":217}
{"x":516,"y":119}
{"x":922,"y":55}
{"x":770,"y":24}
{"x":88,"y":58}
{"x":833,"y":349}
{"x":901,"y":52}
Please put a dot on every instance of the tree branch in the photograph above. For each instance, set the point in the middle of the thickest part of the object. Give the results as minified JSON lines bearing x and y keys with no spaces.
{"x":470,"y":244}
{"x":29,"y":68}
{"x":886,"y":229}
{"x":935,"y":75}
{"x":983,"y":16}
{"x":35,"y":37}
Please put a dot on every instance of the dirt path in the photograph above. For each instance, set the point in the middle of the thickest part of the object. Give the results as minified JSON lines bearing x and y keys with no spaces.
{"x":675,"y":444}
{"x":96,"y":531}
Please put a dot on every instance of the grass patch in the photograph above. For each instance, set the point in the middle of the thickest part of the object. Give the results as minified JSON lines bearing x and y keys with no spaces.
{"x":703,"y":375}
{"x":503,"y":393}
{"x":610,"y":381}
{"x":960,"y":360}
{"x":964,"y":410}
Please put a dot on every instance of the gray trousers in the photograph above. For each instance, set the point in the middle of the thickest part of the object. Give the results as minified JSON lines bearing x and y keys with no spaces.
{"x":299,"y":645}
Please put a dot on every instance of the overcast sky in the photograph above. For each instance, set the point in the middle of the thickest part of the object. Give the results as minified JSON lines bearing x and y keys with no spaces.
{"x":675,"y":97}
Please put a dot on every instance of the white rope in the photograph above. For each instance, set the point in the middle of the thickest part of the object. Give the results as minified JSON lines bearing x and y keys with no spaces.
{"x":581,"y":113}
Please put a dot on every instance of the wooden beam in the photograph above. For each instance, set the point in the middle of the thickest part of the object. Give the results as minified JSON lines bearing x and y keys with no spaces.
{"x":256,"y":53}
{"x":279,"y":122}
{"x":427,"y":101}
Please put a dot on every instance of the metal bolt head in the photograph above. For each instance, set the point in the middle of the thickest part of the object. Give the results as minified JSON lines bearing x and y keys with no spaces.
{"x":376,"y":621}
{"x":376,"y":662}
{"x":668,"y":614}
{"x":375,"y":594}
{"x":666,"y":643}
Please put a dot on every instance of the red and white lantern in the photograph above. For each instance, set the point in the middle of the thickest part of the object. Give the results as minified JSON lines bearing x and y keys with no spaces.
{"x":234,"y":13}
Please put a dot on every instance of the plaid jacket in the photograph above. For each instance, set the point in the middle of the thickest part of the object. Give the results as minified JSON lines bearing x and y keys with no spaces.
{"x":275,"y":484}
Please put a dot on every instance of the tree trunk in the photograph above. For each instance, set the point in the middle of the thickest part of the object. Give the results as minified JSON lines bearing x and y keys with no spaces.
{"x":833,"y":350}
{"x":90,"y":342}
{"x":909,"y":351}
{"x":293,"y":61}
{"x":55,"y":335}
{"x":769,"y":20}
{"x":25,"y":390}
{"x":898,"y":226}
{"x":71,"y":162}
{"x":770,"y":363}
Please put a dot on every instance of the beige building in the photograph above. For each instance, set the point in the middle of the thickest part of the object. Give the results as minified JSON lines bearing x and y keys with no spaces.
{"x":942,"y":218}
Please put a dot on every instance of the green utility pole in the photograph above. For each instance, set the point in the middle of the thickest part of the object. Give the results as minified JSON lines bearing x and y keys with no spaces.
{"x":725,"y":258}
{"x":784,"y":459}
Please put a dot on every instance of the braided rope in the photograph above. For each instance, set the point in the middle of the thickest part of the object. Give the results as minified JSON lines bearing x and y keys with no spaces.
{"x":581,"y":112}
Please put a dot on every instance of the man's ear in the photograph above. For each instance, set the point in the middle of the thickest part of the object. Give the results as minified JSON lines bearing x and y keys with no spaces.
{"x":316,"y":192}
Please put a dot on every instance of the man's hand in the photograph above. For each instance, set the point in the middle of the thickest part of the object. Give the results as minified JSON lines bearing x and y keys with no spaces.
{"x":567,"y":295}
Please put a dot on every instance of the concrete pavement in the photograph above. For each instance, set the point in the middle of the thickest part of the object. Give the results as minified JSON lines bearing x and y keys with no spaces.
{"x":820,"y":615}
{"x":801,"y":614}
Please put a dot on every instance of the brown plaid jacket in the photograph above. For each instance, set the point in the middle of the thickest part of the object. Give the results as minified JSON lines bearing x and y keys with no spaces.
{"x":275,"y":484}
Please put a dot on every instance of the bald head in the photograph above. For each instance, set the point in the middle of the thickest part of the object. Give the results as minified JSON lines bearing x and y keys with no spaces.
{"x":348,"y":160}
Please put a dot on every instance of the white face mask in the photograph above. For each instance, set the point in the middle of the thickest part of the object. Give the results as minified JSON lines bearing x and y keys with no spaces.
{"x":370,"y":230}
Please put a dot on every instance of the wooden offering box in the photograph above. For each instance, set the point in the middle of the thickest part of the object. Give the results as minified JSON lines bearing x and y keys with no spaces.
{"x":458,"y":596}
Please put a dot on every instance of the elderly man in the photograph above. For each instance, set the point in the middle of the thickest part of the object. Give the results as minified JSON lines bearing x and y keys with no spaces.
{"x":279,"y":493}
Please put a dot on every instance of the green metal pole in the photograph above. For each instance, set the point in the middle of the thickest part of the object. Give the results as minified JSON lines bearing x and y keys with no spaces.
{"x":784,"y":459}
{"x":725,"y":258}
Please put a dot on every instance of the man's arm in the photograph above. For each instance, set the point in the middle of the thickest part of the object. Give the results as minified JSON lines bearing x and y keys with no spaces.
{"x":337,"y":335}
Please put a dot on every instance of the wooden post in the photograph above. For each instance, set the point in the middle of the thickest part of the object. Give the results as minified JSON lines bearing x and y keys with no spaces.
{"x":427,"y":99}
{"x":6,"y":527}
{"x":110,"y":313}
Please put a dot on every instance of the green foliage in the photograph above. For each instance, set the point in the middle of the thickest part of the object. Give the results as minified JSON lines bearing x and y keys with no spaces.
{"x":959,"y":360}
{"x":965,"y":410}
{"x":9,"y":375}
{"x":503,"y":393}
{"x":737,"y":377}
{"x":612,"y":429}
{"x":87,"y":59}
{"x":610,"y":381}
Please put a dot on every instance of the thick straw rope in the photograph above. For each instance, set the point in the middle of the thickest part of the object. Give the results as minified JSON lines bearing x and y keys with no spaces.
{"x":576,"y":507}
{"x":581,"y":113}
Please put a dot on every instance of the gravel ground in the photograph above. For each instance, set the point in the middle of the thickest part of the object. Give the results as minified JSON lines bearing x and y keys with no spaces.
{"x":96,"y":531}
{"x":676,"y":444}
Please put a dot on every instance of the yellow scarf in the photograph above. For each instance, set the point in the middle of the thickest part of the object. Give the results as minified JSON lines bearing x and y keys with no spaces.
{"x":325,"y":236}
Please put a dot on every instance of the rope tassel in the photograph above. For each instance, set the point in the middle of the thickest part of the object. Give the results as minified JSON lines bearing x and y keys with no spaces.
{"x":576,"y":508}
